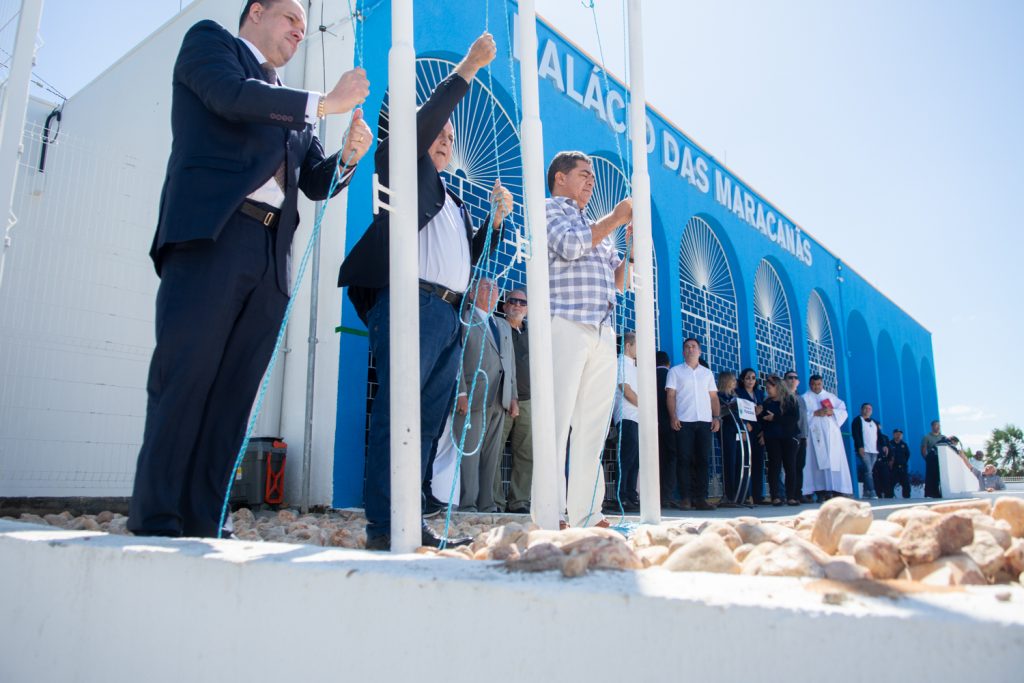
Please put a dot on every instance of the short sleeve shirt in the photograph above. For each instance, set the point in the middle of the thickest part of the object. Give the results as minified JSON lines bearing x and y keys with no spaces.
{"x":693,"y":387}
{"x":628,"y":411}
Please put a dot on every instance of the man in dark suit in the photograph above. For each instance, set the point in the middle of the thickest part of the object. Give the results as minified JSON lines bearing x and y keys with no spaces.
{"x":447,"y":250}
{"x":243,"y":145}
{"x":666,"y":437}
{"x":488,"y":343}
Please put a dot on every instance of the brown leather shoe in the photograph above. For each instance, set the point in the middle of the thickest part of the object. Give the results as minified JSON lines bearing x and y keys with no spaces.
{"x":703,"y":505}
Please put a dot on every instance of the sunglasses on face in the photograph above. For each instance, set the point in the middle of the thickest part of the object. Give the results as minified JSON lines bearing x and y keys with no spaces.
{"x":515,"y":301}
{"x":790,"y":377}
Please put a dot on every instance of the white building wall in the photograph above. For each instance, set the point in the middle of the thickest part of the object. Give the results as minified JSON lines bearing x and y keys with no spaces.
{"x":76,"y":305}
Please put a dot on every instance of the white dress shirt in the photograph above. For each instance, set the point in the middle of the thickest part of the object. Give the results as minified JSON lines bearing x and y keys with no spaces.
{"x":270,"y":192}
{"x":444,"y":249}
{"x":693,"y":387}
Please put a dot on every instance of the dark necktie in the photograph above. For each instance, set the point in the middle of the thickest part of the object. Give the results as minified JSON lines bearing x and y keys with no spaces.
{"x":270,"y":76}
{"x":494,"y":331}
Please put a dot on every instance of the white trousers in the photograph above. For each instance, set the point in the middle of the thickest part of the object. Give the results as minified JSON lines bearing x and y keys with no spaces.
{"x":584,"y":374}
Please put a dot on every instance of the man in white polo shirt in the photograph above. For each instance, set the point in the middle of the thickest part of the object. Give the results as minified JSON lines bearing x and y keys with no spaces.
{"x":692,"y":398}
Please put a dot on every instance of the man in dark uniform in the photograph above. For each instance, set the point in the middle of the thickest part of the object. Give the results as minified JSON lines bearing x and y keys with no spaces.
{"x":900,"y":454}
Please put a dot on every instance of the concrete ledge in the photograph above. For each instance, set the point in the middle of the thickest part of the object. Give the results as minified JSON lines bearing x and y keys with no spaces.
{"x":92,"y":607}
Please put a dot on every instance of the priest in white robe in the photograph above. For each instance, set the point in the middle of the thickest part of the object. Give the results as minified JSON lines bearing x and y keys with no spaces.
{"x":827,"y":468}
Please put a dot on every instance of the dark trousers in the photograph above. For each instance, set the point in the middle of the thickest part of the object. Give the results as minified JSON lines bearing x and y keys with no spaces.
{"x":731,"y":466}
{"x":932,"y":488}
{"x":667,"y":463}
{"x":629,"y":459}
{"x":757,"y":457}
{"x":882,"y":475}
{"x":440,"y":349}
{"x":902,"y":477}
{"x":693,"y":451}
{"x":782,"y":456}
{"x":218,"y":310}
{"x":801,"y":462}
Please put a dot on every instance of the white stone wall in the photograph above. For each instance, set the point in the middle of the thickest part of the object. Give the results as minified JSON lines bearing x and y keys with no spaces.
{"x":88,"y":607}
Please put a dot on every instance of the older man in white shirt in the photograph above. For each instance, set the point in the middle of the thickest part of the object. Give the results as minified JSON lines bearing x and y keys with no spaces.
{"x":692,"y":397}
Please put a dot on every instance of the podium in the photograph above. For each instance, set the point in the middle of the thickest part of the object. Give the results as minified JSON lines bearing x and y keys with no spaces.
{"x":955,"y":477}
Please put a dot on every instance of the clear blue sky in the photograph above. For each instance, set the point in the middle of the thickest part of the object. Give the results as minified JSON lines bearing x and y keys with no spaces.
{"x":891,"y":131}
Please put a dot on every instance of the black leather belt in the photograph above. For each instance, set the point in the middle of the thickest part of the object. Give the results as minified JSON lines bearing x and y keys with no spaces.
{"x":442,"y":293}
{"x":260,"y":212}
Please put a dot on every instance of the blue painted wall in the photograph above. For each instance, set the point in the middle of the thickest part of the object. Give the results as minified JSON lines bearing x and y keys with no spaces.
{"x":578,"y":112}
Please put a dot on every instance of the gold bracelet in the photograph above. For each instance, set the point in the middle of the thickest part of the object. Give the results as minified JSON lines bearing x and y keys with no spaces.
{"x":321,"y":107}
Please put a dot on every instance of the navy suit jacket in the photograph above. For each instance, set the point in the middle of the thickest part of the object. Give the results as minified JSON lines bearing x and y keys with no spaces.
{"x":366,"y":270}
{"x":231,"y":132}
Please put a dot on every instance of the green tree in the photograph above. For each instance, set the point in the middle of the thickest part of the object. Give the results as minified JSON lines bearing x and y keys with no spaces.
{"x":1006,"y":448}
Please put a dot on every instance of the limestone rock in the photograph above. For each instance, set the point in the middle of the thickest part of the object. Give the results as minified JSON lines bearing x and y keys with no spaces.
{"x":843,"y":568}
{"x":29,"y":518}
{"x":779,"y":534}
{"x":576,"y":565}
{"x":880,"y":555}
{"x":616,"y":555}
{"x":653,"y":555}
{"x":541,"y":557}
{"x":847,"y":542}
{"x":883,"y":527}
{"x":118,"y":525}
{"x":104,"y":517}
{"x":919,"y":543}
{"x":650,"y":535}
{"x":1011,"y":511}
{"x":743,"y":551}
{"x":998,"y":528}
{"x":286,"y":516}
{"x":791,"y":559}
{"x":342,"y":538}
{"x":904,"y":515}
{"x":1014,"y":557}
{"x":986,"y":553}
{"x":243,"y":518}
{"x":679,"y":541}
{"x":728,"y":534}
{"x":708,"y":553}
{"x":954,"y":570}
{"x":954,"y":532}
{"x":981,"y":504}
{"x":55,"y":520}
{"x":752,"y":562}
{"x":839,"y":516}
{"x":752,"y":532}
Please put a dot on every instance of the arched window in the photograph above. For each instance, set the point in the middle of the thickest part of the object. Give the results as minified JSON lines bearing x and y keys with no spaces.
{"x":821,"y":352}
{"x":707,"y":297}
{"x":773,"y":329}
{"x":610,"y":188}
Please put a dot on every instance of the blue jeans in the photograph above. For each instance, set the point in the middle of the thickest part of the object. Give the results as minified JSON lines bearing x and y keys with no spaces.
{"x":440,"y":351}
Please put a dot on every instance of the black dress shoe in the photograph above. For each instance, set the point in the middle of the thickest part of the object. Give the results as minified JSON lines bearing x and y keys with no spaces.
{"x":432,"y":506}
{"x":631,"y":505}
{"x":427,"y":538}
{"x":520,"y":510}
{"x":703,"y":505}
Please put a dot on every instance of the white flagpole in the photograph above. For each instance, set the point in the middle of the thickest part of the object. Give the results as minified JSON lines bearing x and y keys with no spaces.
{"x":544,"y":496}
{"x":643,"y":250}
{"x":405,"y":317}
